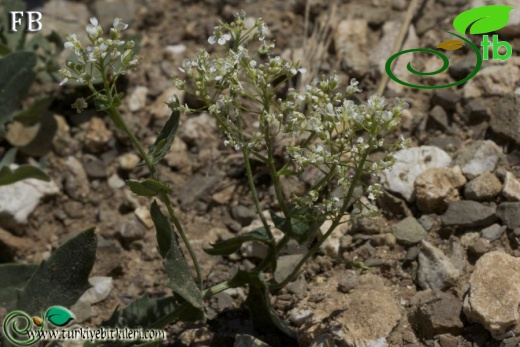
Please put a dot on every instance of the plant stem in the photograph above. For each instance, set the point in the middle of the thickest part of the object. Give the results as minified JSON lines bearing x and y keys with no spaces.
{"x":119,"y":121}
{"x":335,"y":223}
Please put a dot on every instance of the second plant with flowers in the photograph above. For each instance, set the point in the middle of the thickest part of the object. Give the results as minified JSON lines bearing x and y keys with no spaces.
{"x":248,"y":90}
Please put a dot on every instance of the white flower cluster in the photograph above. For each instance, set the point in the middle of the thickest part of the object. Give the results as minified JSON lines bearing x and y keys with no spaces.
{"x":111,"y":57}
{"x":326,"y":129}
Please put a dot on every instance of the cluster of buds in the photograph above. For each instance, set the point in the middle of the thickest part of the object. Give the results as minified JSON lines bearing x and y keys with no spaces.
{"x":108,"y":57}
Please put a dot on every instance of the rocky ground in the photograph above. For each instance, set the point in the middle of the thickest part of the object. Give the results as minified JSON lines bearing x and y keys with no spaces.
{"x":441,"y":264}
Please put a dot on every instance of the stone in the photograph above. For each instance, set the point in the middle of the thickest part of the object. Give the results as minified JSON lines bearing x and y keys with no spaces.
{"x":475,"y":112}
{"x":128,"y":161}
{"x":477,"y":158}
{"x":175,"y":52}
{"x":436,"y":271}
{"x":494,"y":294}
{"x":131,"y":230}
{"x":409,"y":164}
{"x":137,"y":99}
{"x":350,"y":40}
{"x":493,"y":232}
{"x":438,"y":313}
{"x":144,"y":216}
{"x":285,"y":266}
{"x":347,"y":282}
{"x":159,"y":109}
{"x":349,"y":317}
{"x":332,"y":244}
{"x":436,"y":187}
{"x":509,"y":213}
{"x":243,"y":340}
{"x":178,"y":157}
{"x":197,"y":130}
{"x":483,"y":187}
{"x":115,"y":181}
{"x":97,"y":135}
{"x":67,"y":17}
{"x":76,"y":182}
{"x":242,"y":214}
{"x":460,"y":69}
{"x":439,"y":118}
{"x":467,"y":214}
{"x":511,"y":189}
{"x":94,"y":167}
{"x":478,"y":248}
{"x":409,"y":232}
{"x":493,"y":80}
{"x":198,"y":186}
{"x":18,"y":200}
{"x":100,"y":290}
{"x":447,"y":99}
{"x":13,"y":247}
{"x":298,"y":317}
{"x":505,"y":119}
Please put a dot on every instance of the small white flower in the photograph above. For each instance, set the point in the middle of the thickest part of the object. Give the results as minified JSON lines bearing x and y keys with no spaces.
{"x":212,"y":40}
{"x":68,"y":45}
{"x":94,"y":21}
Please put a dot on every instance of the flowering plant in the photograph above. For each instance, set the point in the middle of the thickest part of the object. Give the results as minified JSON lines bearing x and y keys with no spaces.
{"x":246,"y":88}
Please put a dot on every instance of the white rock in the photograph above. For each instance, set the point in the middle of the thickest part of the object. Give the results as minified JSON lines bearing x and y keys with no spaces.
{"x":115,"y":182}
{"x":479,"y":157}
{"x":511,"y":189}
{"x":18,"y":200}
{"x":298,"y":317}
{"x":129,"y":161}
{"x":492,"y":80}
{"x":143,"y":214}
{"x":100,"y":290}
{"x":350,"y":317}
{"x":332,"y":243}
{"x":494,"y":294}
{"x":435,"y":188}
{"x":409,"y":164}
{"x":137,"y":99}
{"x":436,"y":271}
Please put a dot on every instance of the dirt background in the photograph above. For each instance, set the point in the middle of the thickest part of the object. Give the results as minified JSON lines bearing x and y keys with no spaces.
{"x":89,"y":159}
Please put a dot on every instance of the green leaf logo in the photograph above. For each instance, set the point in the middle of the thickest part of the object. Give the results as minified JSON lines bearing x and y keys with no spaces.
{"x":59,"y":316}
{"x":483,"y":19}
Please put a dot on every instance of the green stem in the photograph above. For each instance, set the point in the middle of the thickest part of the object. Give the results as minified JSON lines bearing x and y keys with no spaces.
{"x":335,"y":223}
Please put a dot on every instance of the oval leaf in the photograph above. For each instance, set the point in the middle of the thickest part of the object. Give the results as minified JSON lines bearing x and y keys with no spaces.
{"x":148,"y":187}
{"x":451,"y":45}
{"x":59,"y":316}
{"x":482,"y":20}
{"x":232,"y":245}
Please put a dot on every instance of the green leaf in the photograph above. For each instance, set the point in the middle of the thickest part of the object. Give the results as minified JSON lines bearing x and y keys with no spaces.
{"x":8,"y":176}
{"x":277,"y":220}
{"x":63,"y":278}
{"x":146,"y":313}
{"x":148,"y":187}
{"x":16,"y":76}
{"x":180,"y":279}
{"x":482,"y":19}
{"x":232,"y":245}
{"x":8,"y":158}
{"x":163,"y":229}
{"x":59,"y":316}
{"x":33,"y":113}
{"x":263,"y":315}
{"x":14,"y":277}
{"x":298,"y":229}
{"x":164,"y":141}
